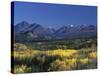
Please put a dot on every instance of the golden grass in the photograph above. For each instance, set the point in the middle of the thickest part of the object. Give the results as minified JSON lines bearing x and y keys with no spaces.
{"x":84,"y":61}
{"x":93,"y":55}
{"x":59,"y":52}
{"x":68,"y":59}
{"x":62,"y":53}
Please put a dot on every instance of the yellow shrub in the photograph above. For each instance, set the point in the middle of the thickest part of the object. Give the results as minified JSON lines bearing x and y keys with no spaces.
{"x":92,"y":55}
{"x":20,"y":69}
{"x":58,"y":65}
{"x":72,"y":63}
{"x":63,"y":53}
{"x":84,"y":60}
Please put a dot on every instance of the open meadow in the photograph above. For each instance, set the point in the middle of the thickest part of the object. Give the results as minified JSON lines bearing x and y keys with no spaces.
{"x":58,"y":58}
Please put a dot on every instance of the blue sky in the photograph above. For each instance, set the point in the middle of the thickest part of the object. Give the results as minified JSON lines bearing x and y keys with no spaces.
{"x":54,"y":15}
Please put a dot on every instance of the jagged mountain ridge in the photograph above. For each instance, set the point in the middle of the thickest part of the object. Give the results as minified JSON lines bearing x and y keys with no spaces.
{"x":21,"y":26}
{"x":37,"y":31}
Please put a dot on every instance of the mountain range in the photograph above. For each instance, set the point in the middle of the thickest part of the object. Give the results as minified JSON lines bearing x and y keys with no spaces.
{"x":26,"y":31}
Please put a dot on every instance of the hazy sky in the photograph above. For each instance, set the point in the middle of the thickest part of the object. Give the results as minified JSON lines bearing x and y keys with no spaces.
{"x":54,"y":15}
